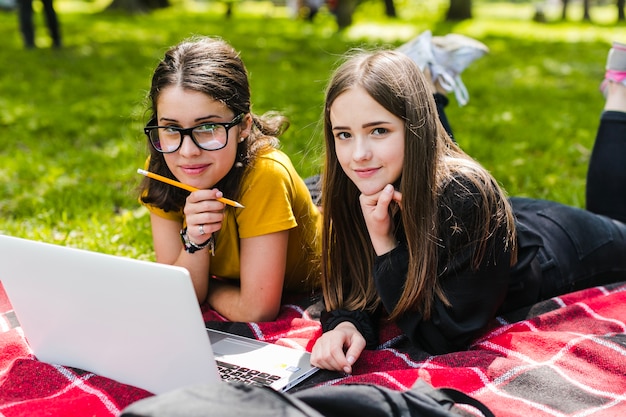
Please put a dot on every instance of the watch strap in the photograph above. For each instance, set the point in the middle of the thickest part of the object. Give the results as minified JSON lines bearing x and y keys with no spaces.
{"x":191,"y":247}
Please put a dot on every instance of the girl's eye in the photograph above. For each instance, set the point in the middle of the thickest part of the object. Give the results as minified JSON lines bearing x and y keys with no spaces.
{"x":379,"y":131}
{"x":342,"y":135}
{"x":206,"y":128}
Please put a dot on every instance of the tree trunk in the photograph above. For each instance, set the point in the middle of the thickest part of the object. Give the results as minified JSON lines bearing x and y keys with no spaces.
{"x":390,"y":8}
{"x":620,"y":10}
{"x":564,"y":10}
{"x":586,"y":12}
{"x":459,"y":10}
{"x":138,"y":6}
{"x":343,"y":12}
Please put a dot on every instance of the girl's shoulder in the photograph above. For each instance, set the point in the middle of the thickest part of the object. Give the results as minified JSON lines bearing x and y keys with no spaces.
{"x":273,"y":160}
{"x":460,"y":189}
{"x":274,"y":155}
{"x":468,"y":198}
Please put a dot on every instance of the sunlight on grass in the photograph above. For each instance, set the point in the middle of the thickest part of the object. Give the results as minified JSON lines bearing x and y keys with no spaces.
{"x":72,"y":118}
{"x":516,"y":20}
{"x":378,"y":33}
{"x":601,"y":13}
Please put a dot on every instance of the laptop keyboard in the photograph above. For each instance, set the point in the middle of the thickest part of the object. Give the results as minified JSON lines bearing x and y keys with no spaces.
{"x":230,"y":372}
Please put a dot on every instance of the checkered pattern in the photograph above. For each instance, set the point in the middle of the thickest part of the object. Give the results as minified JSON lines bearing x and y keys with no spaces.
{"x":563,"y":357}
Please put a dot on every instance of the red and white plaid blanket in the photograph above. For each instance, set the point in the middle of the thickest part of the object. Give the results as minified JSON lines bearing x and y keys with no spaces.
{"x":563,"y":357}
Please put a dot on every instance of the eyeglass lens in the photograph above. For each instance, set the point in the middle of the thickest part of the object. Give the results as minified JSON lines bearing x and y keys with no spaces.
{"x":207,"y":136}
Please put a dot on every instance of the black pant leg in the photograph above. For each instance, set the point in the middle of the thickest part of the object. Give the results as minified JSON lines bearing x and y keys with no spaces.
{"x":606,"y":176}
{"x":578,"y":249}
{"x":442,"y":101}
{"x":25,"y":14}
{"x":52,"y":22}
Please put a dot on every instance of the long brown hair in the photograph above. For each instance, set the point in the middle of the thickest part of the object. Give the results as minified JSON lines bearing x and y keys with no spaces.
{"x":432,"y":160}
{"x":213,"y":67}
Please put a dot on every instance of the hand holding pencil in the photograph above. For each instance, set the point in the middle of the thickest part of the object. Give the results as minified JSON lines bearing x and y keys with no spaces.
{"x":184,"y":186}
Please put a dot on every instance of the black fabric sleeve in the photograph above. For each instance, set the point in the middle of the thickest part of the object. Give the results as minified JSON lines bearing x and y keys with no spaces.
{"x":364,"y":322}
{"x":475,"y":294}
{"x":390,"y":271}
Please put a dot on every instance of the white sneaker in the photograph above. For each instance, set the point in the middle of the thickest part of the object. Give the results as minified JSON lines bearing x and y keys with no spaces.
{"x":615,"y":67}
{"x":446,"y":57}
{"x":420,"y":50}
{"x":454,"y":53}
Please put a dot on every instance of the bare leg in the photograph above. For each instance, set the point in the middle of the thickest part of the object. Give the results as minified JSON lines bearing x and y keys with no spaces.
{"x":616,"y":97}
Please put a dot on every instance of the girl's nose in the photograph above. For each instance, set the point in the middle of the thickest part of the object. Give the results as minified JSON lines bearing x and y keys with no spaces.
{"x":189,"y":147}
{"x":362,"y":150}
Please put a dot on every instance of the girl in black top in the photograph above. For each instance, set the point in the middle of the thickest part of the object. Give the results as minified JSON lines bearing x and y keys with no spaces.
{"x":416,"y":227}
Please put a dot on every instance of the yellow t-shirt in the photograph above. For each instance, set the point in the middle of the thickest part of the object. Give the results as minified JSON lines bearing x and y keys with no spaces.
{"x":275,"y":199}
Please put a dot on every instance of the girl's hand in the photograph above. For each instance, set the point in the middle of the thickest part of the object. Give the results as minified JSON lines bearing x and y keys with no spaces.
{"x":378,"y":219}
{"x":338,"y":349}
{"x":204,"y":214}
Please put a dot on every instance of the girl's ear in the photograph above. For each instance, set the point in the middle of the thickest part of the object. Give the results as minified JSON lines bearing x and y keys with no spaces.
{"x":247,"y":123}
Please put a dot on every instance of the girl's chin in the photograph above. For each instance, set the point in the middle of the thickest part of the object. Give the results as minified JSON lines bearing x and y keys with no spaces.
{"x":199,"y":183}
{"x":371,"y":190}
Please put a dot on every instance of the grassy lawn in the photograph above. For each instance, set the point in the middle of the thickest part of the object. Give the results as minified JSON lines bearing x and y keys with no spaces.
{"x":71,"y":119}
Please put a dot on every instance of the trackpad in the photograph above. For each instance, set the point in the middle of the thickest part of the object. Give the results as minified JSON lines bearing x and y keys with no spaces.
{"x":229,"y":346}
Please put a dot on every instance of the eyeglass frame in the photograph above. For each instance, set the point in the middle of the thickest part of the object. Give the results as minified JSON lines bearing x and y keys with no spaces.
{"x":189,"y":132}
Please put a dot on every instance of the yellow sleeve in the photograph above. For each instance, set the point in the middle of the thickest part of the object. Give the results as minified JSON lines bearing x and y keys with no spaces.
{"x":268,"y":194}
{"x":170,"y":215}
{"x":275,"y":199}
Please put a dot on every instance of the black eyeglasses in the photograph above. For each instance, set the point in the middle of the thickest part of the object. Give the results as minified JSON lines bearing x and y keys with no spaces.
{"x":208,"y":136}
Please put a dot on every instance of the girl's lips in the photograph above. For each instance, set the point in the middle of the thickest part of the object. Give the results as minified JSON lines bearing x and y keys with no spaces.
{"x":365,"y":172}
{"x":194,"y":169}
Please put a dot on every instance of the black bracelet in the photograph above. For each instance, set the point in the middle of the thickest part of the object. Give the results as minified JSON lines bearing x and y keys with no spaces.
{"x":191,"y":247}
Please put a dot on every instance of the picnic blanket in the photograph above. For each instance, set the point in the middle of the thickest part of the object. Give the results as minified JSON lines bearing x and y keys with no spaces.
{"x":562,"y":357}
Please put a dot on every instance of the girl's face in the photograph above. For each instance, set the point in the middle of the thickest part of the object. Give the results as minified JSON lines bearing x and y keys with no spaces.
{"x":191,"y":165}
{"x":369,"y":140}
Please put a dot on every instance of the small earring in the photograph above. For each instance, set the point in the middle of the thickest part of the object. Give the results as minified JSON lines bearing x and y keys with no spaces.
{"x":241,"y":139}
{"x":239,"y":164}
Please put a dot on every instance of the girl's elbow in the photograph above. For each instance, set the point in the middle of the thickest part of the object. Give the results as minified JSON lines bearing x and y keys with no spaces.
{"x":264,"y":315}
{"x":202,"y":292}
{"x":250,"y":316}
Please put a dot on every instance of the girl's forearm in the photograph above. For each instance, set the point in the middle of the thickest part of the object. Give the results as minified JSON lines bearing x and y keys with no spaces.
{"x":227,"y":299}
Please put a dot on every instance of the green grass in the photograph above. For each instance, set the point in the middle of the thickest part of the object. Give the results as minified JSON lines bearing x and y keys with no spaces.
{"x":70,"y":119}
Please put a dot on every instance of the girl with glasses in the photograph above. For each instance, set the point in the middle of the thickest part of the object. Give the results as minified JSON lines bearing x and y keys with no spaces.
{"x":417,"y":232}
{"x":202,"y":133}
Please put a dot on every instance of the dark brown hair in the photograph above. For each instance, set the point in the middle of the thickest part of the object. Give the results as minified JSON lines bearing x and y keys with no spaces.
{"x":431,"y":161}
{"x":213,"y":67}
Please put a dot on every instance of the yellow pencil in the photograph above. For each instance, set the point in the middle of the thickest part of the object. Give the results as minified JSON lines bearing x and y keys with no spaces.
{"x":184,"y":186}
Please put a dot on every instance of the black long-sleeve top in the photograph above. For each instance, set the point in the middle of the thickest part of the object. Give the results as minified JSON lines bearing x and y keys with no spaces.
{"x":475,"y":295}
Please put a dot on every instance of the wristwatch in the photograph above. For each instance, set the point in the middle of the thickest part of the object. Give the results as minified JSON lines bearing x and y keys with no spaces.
{"x":191,"y":247}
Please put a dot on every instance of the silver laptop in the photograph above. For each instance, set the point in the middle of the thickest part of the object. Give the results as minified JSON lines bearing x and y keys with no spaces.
{"x":132,"y":321}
